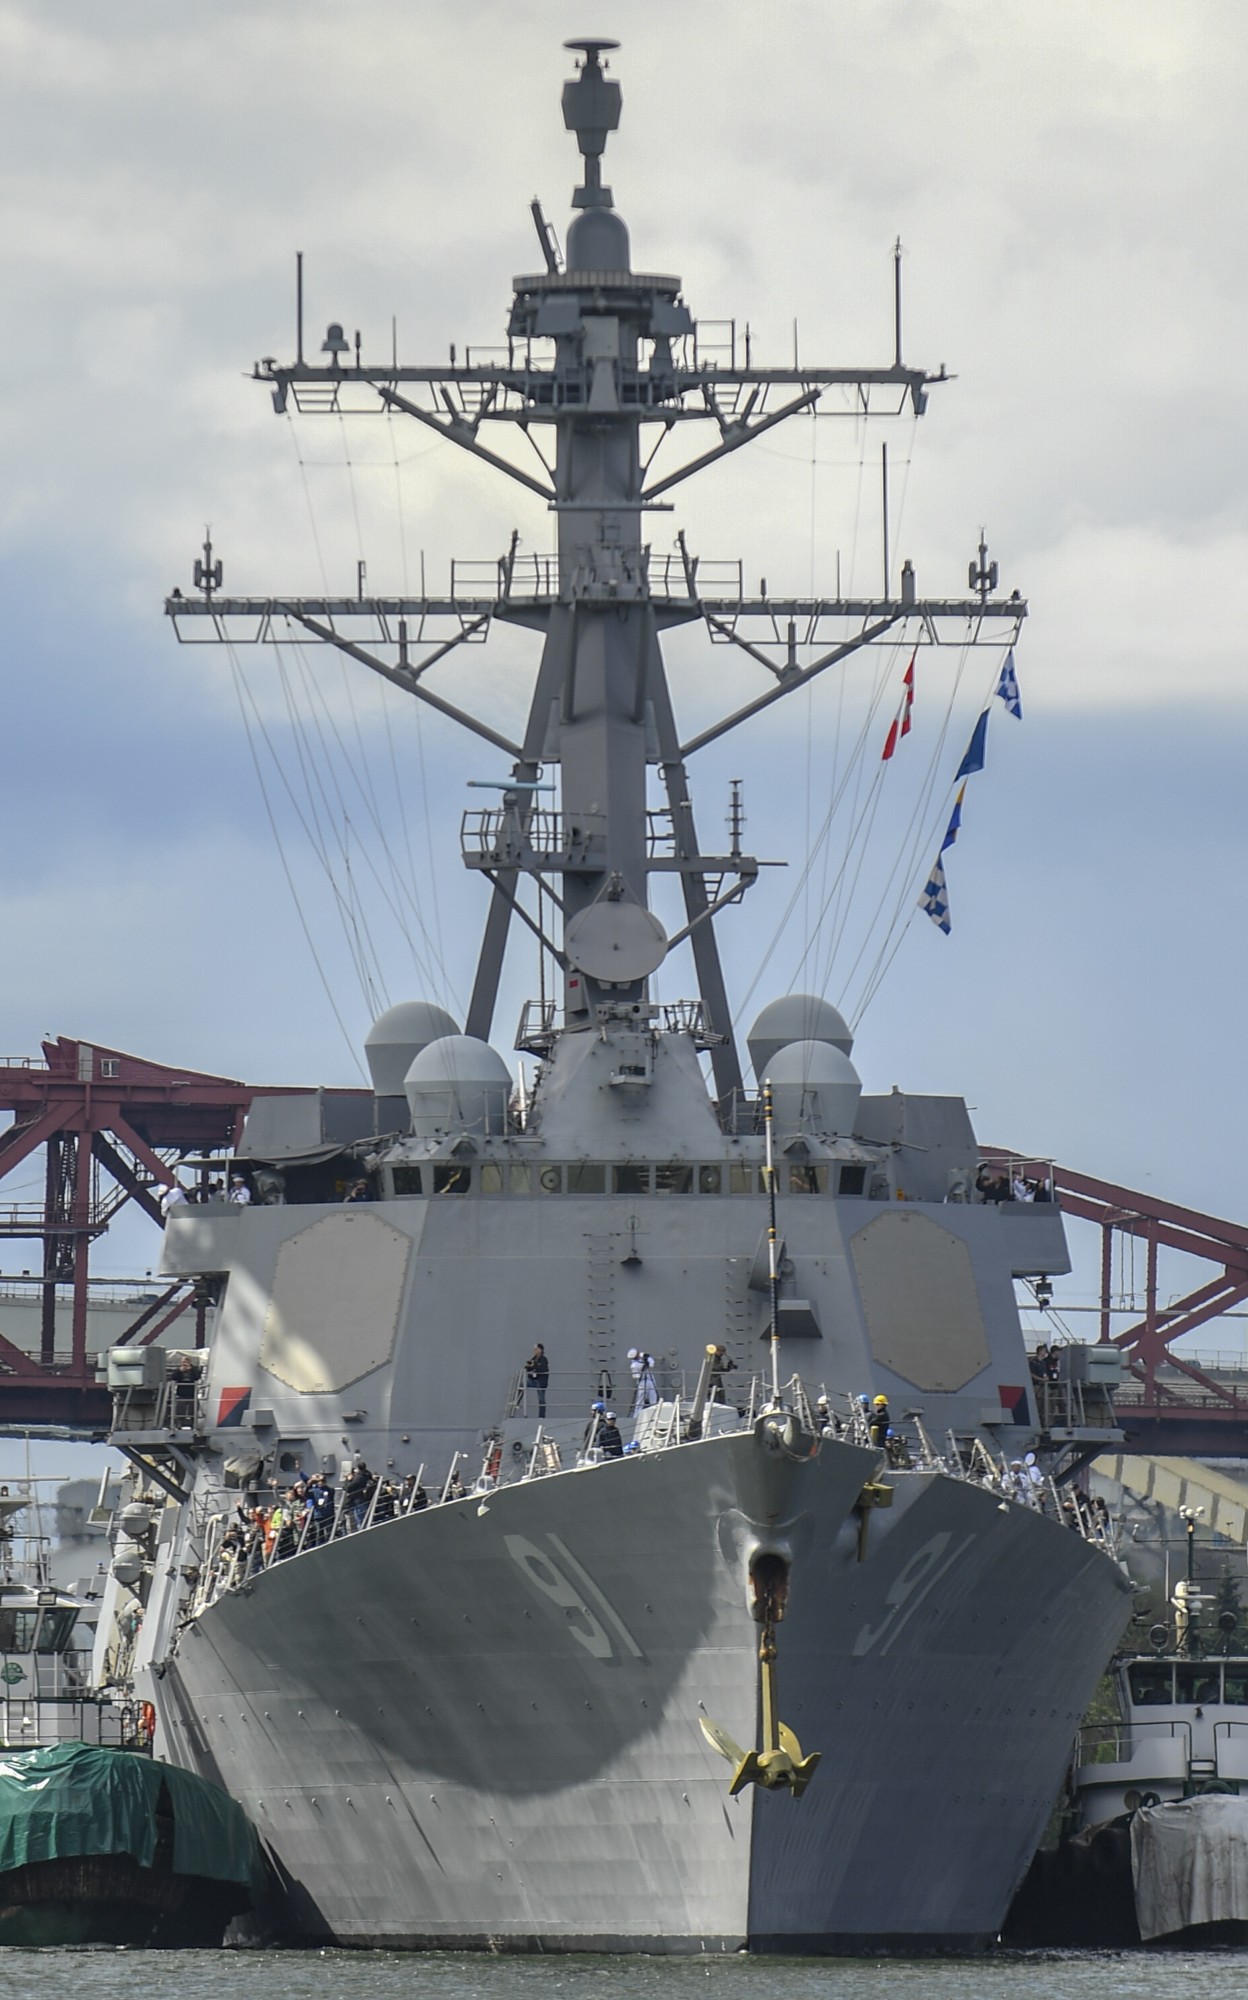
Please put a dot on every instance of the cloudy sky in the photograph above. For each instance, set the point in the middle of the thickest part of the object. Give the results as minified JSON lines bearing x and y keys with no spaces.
{"x":1067,"y":183}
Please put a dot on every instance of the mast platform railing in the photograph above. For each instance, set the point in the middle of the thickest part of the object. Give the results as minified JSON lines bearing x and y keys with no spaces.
{"x":536,"y":837}
{"x":531,"y":575}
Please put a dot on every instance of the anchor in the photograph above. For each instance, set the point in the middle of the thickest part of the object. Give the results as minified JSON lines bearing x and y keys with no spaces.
{"x":778,"y":1763}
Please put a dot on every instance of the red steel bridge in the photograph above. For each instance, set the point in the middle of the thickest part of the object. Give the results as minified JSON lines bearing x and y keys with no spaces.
{"x":104,"y":1129}
{"x":108,"y":1128}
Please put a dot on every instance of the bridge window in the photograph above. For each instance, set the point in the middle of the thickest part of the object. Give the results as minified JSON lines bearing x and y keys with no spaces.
{"x":1236,"y":1686}
{"x":710,"y":1180}
{"x":805,"y":1178}
{"x":1151,"y":1683}
{"x":55,"y":1629}
{"x":550,"y":1180}
{"x":452,"y":1179}
{"x":1198,"y":1681}
{"x":674,"y":1177}
{"x":520,"y":1177}
{"x":742,"y":1178}
{"x":17,"y":1630}
{"x":853,"y":1179}
{"x":586,"y":1177}
{"x":407,"y":1180}
{"x":630,"y":1179}
{"x":491,"y":1177}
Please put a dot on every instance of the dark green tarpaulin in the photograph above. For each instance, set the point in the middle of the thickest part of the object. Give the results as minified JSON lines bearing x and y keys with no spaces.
{"x":73,"y":1799}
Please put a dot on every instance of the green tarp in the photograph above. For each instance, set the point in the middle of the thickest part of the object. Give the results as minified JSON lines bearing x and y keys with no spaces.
{"x":73,"y":1799}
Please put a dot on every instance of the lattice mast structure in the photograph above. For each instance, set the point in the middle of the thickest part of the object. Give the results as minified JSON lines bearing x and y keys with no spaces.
{"x":603,"y":367}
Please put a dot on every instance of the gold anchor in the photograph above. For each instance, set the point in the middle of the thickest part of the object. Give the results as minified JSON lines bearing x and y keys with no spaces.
{"x":779,"y":1762}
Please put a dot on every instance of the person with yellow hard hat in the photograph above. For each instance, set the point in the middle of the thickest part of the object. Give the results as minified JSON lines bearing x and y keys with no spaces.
{"x":880,"y":1422}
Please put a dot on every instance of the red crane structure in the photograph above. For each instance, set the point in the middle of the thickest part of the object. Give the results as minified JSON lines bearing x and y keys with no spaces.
{"x":109,"y":1126}
{"x":1190,"y":1412}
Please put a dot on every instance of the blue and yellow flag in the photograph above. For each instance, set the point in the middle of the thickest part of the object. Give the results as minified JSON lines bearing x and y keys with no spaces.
{"x":955,"y":820}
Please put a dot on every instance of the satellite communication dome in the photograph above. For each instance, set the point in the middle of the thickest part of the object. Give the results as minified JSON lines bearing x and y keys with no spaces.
{"x":458,"y":1084}
{"x":598,"y":241}
{"x":397,"y":1037}
{"x":796,"y":1017}
{"x":814,"y":1088}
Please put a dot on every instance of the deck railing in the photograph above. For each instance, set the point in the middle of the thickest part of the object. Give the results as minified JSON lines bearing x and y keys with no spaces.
{"x":240,"y":1546}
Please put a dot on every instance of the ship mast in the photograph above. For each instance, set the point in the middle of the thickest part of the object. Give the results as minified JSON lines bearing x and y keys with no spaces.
{"x":607,"y":358}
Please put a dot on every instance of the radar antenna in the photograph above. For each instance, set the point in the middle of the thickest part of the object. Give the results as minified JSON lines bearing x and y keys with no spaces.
{"x":591,"y":109}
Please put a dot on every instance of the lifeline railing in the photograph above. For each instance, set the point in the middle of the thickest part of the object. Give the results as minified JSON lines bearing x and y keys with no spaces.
{"x":1119,"y":1742}
{"x":235,"y":1552}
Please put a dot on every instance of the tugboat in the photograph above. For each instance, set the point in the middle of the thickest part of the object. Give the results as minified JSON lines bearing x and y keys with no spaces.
{"x":98,"y":1843}
{"x":47,"y":1694}
{"x":1157,"y":1851}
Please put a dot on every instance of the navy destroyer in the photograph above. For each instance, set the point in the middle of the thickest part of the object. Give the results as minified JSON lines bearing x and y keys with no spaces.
{"x":662,"y":1642}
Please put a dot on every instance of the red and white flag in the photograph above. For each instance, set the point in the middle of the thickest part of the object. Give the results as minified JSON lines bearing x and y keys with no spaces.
{"x":900,"y":724}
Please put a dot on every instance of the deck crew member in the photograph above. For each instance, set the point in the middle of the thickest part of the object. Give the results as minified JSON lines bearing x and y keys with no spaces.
{"x":537,"y":1375}
{"x":641,"y":1366}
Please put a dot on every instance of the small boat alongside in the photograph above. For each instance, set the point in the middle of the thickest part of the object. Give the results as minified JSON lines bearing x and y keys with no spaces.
{"x":1158,"y":1802}
{"x":101,"y":1846}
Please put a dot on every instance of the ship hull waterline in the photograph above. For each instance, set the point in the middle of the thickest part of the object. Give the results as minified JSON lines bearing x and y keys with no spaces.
{"x":477,"y":1727}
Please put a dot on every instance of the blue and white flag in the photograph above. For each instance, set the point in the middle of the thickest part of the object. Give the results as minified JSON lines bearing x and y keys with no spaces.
{"x":1007,"y":686}
{"x":955,"y":820}
{"x":976,"y":750}
{"x":935,"y":898}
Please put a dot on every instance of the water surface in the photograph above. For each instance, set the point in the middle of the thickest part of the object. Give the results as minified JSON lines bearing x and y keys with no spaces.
{"x":379,"y":1975}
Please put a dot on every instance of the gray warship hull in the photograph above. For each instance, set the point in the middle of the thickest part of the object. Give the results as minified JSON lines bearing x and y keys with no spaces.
{"x":478,"y":1726}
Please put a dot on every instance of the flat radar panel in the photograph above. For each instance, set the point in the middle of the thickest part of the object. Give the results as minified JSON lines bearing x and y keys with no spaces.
{"x":921,"y":1301}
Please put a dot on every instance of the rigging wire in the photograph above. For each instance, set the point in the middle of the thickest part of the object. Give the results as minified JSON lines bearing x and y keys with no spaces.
{"x":916,"y":840}
{"x":820,"y":844}
{"x":892,"y":942}
{"x":861,"y":429}
{"x":355,"y":504}
{"x":237,"y":676}
{"x":384,"y":693}
{"x":315,"y":841}
{"x":367,"y":788}
{"x":293,"y":434}
{"x":810,"y":692}
{"x":347,"y":674}
{"x":862,"y":822}
{"x":851,"y":766}
{"x":404,"y":891}
{"x":442,"y":983}
{"x":844,"y":901}
{"x":446,"y":994}
{"x":314,"y":785}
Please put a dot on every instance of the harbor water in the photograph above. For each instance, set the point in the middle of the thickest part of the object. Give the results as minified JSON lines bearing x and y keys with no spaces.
{"x":348,"y":1975}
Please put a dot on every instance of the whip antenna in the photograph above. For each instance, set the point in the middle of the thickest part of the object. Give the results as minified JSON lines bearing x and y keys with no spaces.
{"x":773,"y":1273}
